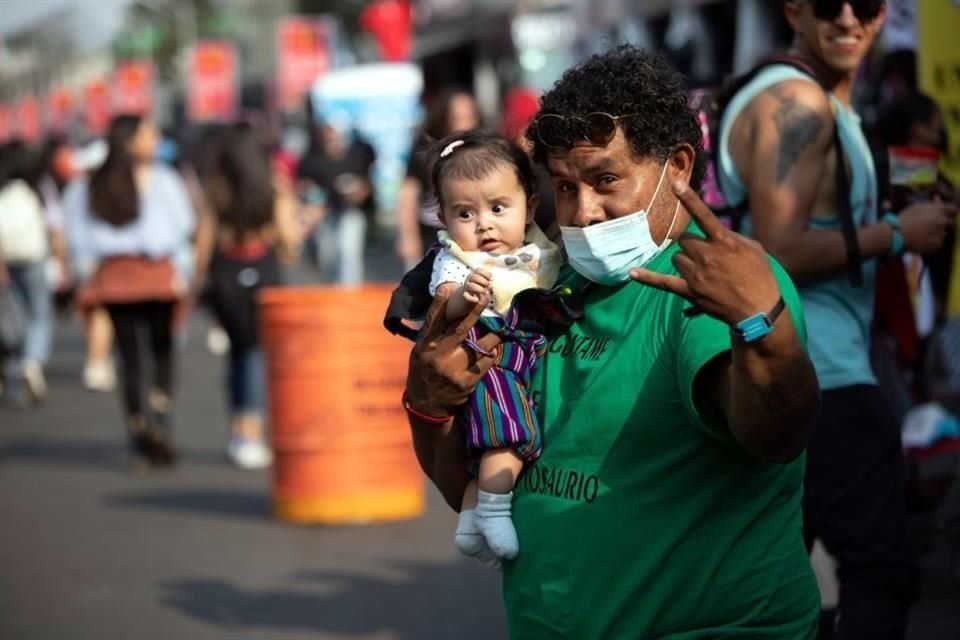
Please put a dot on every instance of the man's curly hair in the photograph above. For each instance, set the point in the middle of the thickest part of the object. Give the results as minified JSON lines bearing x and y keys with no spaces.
{"x":629,"y":80}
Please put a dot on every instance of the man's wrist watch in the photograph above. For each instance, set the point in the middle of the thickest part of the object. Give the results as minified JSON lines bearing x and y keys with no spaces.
{"x":896,"y":242}
{"x":759,"y":325}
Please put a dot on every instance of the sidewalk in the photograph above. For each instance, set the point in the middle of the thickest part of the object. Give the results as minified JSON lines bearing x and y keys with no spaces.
{"x":90,"y":551}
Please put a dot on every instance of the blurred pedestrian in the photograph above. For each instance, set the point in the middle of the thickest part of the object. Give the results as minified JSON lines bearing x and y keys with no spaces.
{"x":914,"y":120}
{"x":24,"y":247}
{"x":132,"y":223}
{"x":195,"y":160}
{"x":336,"y":172}
{"x":255,"y":220}
{"x":816,"y":211}
{"x":418,"y":219}
{"x":907,"y":140}
{"x":99,"y":373}
{"x":53,"y":170}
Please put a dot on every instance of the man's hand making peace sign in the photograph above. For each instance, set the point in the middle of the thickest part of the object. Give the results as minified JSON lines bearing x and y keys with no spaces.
{"x":766,"y":388}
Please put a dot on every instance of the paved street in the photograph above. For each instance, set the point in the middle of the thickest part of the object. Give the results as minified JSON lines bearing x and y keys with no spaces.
{"x":90,"y":551}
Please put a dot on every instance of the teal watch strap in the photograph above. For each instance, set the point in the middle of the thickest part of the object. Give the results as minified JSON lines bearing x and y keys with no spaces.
{"x":896,"y":244}
{"x":759,"y":325}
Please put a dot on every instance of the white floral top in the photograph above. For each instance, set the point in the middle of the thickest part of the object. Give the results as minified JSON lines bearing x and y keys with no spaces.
{"x":533,"y":265}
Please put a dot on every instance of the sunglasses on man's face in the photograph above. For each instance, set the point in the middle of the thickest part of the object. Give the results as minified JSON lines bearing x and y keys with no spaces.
{"x":865,"y":10}
{"x":561,"y":132}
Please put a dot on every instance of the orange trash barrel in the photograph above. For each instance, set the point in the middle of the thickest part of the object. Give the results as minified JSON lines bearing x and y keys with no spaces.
{"x":343,"y":452}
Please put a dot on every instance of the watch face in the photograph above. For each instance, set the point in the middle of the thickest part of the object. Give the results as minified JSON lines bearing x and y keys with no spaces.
{"x":754,"y":327}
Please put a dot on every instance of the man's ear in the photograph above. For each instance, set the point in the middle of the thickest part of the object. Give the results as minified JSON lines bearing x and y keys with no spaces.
{"x":532,"y":203}
{"x":682,"y":161}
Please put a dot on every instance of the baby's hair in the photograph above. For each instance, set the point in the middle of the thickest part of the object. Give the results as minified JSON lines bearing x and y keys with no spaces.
{"x":474,"y":155}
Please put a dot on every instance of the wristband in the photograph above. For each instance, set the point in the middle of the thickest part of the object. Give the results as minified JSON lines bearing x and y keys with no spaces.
{"x":438,"y":420}
{"x":759,"y":325}
{"x":896,"y":242}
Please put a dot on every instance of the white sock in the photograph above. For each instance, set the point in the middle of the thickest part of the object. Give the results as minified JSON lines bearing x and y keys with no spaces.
{"x":493,"y":520}
{"x":467,"y":537}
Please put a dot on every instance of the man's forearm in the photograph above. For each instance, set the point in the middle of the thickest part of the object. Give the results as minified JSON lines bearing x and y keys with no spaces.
{"x":441,"y":452}
{"x":817,"y":254}
{"x":774,"y":394}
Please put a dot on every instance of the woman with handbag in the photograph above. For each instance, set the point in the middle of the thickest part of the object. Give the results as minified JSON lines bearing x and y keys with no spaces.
{"x":131,"y":225}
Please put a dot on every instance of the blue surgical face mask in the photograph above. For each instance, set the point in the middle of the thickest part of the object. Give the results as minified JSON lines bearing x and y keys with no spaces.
{"x":605,"y":252}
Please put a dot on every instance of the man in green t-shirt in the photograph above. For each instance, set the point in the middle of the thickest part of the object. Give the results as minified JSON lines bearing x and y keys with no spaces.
{"x":666,"y":503}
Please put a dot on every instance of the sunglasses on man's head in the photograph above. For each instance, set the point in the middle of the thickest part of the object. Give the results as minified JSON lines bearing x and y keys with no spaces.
{"x":561,"y":132}
{"x":865,"y":10}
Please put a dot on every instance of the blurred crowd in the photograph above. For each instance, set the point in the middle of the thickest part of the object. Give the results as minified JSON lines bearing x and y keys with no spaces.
{"x":131,"y":234}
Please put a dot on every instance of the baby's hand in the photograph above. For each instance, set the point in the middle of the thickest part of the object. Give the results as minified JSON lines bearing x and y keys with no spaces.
{"x":477,"y":286}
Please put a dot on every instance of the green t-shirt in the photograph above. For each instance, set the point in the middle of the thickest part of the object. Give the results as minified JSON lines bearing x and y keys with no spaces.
{"x":642,"y":519}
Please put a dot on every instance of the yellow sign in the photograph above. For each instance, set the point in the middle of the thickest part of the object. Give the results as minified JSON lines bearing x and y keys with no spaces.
{"x":938,"y":30}
{"x":953,"y":295}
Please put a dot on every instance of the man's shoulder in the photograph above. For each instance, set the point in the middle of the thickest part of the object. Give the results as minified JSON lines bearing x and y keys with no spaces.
{"x":791,"y":94}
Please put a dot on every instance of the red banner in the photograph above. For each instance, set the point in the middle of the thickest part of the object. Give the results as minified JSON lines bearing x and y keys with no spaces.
{"x":28,"y":119}
{"x":303,"y":54}
{"x":133,"y":87}
{"x":212,"y":82}
{"x":96,"y":107}
{"x":6,"y":123}
{"x":59,"y":110}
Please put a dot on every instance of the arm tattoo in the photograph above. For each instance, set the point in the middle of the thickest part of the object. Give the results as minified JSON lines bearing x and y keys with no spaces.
{"x":798,"y":126}
{"x":774,"y":397}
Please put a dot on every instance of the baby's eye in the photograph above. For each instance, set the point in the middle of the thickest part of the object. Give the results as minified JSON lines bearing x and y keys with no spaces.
{"x":465,"y":215}
{"x":498,"y":208}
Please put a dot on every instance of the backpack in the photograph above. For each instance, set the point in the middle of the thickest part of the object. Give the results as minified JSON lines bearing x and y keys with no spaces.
{"x":23,"y":231}
{"x":710,"y":105}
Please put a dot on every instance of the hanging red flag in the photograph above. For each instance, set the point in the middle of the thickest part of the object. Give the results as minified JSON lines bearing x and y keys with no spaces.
{"x":212,"y":82}
{"x":133,"y":87}
{"x":303,"y":54}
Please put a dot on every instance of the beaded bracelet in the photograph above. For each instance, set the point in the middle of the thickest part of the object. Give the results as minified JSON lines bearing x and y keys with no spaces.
{"x":423,"y":416}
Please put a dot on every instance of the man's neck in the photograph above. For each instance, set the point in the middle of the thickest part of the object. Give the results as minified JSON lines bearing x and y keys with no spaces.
{"x":840,"y":84}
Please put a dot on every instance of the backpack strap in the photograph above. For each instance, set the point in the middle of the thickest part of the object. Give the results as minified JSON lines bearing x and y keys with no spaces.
{"x":842,"y":180}
{"x":845,"y":212}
